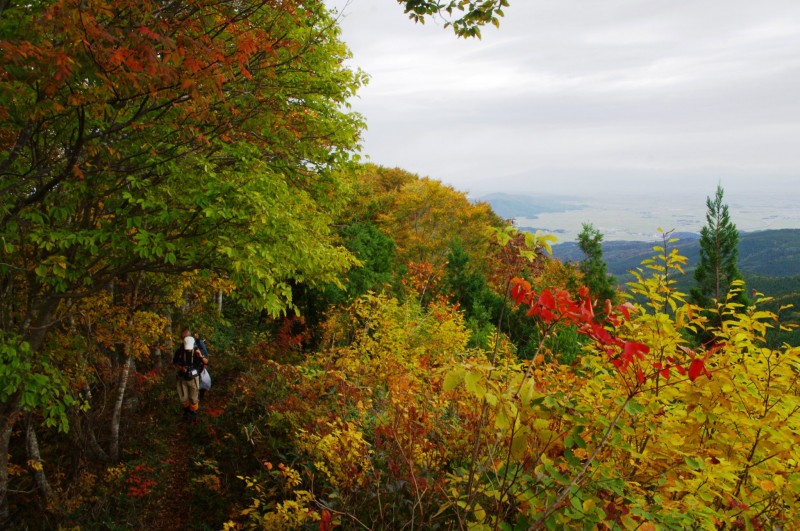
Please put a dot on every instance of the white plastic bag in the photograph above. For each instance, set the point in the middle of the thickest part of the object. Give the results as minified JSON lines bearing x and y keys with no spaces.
{"x":205,"y":380}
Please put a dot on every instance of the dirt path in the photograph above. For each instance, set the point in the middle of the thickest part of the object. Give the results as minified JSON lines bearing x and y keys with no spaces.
{"x":173,"y":514}
{"x":181,"y":452}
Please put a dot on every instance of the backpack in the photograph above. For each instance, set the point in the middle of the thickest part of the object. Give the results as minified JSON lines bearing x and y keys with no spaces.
{"x":199,"y":343}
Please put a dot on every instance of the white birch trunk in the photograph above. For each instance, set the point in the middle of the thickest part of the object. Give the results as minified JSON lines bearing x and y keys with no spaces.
{"x":113,"y":452}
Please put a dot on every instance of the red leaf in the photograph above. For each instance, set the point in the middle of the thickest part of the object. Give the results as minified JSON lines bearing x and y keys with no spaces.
{"x":520,"y":290}
{"x":665,"y":373}
{"x":587,"y":312}
{"x":546,"y":299}
{"x":640,"y":376}
{"x":325,"y":523}
{"x":696,"y":368}
{"x":602,"y":335}
{"x":680,"y":369}
{"x":626,"y":310}
{"x":547,"y":316}
{"x":715,"y":347}
{"x":635,"y":349}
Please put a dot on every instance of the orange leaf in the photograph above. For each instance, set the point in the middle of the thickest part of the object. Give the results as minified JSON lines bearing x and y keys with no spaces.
{"x":325,"y":523}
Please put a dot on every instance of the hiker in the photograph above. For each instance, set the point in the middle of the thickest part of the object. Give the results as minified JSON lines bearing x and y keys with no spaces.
{"x":205,"y":377}
{"x":189,"y":361}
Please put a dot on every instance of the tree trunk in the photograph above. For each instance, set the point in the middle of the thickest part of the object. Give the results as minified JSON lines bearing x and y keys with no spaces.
{"x":163,"y":357}
{"x":35,"y":462}
{"x":113,"y":452}
{"x":34,"y":330}
{"x":11,"y":411}
{"x":117,"y":416}
{"x":95,"y":450}
{"x":83,"y":432}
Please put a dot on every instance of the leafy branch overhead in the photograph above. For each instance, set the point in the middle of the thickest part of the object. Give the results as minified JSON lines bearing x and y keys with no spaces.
{"x":466,"y":17}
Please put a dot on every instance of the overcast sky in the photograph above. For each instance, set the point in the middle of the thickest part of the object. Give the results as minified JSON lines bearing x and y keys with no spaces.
{"x":578,"y":95}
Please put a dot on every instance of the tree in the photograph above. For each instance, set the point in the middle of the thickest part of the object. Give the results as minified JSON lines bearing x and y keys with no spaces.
{"x":375,"y":251}
{"x":467,"y":285}
{"x":595,"y":273}
{"x":719,"y":256}
{"x":163,"y":138}
{"x":426,"y":217}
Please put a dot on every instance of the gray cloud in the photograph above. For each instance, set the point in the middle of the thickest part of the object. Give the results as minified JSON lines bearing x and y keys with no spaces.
{"x":577,"y":95}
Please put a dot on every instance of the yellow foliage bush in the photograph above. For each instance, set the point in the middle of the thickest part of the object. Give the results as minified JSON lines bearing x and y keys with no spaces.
{"x":342,"y":454}
{"x":645,"y":430}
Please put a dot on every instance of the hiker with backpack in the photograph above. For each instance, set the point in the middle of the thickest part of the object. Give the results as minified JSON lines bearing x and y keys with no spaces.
{"x":205,"y":377}
{"x":190,"y":362}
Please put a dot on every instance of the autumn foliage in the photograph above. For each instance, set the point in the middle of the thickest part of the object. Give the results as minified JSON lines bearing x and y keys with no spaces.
{"x":389,"y":355}
{"x":645,"y":430}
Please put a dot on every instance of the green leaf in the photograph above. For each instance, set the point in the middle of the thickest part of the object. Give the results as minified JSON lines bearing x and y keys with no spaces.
{"x":453,"y":379}
{"x":473,"y":381}
{"x":633,"y":408}
{"x":693,"y":463}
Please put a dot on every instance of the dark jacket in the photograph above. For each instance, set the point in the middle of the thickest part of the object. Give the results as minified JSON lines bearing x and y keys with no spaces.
{"x":187,"y":359}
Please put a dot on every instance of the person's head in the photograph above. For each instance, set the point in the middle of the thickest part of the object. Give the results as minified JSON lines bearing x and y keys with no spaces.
{"x":185,"y":333}
{"x":188,"y":342}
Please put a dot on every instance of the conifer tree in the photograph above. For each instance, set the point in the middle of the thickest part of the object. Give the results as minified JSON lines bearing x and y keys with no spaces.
{"x":594,"y":269}
{"x":719,"y":255}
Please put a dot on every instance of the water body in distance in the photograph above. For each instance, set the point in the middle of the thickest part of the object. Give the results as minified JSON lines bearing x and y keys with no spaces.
{"x":621,"y":217}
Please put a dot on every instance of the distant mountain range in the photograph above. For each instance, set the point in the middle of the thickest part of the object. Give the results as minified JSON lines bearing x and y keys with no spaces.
{"x":769,"y":253}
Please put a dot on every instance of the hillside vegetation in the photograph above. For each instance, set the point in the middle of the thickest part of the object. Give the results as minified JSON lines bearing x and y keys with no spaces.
{"x":458,"y":376}
{"x":385,"y":354}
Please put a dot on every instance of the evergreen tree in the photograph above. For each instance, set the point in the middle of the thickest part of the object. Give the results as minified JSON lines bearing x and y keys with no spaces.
{"x":719,"y":256}
{"x":595,"y":272}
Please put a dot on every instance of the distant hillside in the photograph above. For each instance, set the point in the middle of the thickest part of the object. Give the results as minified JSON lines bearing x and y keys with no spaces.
{"x":510,"y":206}
{"x":764,"y":254}
{"x":769,"y":261}
{"x":622,"y":256}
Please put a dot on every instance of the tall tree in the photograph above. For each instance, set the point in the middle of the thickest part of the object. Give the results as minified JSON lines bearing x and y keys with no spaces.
{"x":163,"y":137}
{"x":595,"y":271}
{"x":719,"y":255}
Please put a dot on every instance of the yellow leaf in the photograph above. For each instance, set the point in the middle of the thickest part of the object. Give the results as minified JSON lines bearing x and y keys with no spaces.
{"x":767,"y":485}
